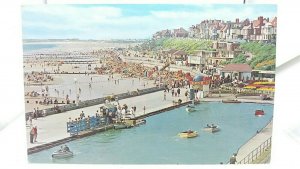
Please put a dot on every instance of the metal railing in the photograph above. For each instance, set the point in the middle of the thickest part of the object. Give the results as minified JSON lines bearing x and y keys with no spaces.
{"x":256,"y":152}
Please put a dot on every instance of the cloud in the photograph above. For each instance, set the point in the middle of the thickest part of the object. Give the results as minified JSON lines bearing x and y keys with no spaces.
{"x":58,"y":16}
{"x":91,"y":22}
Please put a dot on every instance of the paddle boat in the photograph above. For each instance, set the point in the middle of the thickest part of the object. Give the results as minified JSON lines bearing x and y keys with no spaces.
{"x":259,"y":112}
{"x":190,"y":108}
{"x":231,"y":101}
{"x":211,"y":128}
{"x":62,"y":153}
{"x":188,"y":134}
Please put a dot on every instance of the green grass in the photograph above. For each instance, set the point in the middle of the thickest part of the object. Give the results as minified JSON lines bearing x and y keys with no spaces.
{"x":264,"y":55}
{"x":190,"y":46}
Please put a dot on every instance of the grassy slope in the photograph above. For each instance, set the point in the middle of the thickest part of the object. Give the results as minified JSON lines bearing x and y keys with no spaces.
{"x":263,"y":54}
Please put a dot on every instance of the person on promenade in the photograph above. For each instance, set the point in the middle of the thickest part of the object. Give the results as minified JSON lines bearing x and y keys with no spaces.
{"x":178,"y":92}
{"x":37,"y":113}
{"x":186,"y":95}
{"x":131,"y":110}
{"x":34,"y":134}
{"x":134,"y":109}
{"x":30,"y":119}
{"x":232,"y":159}
{"x":172,"y":92}
{"x":81,"y":114}
{"x":31,"y":134}
{"x":165,"y":95}
{"x":144,"y":109}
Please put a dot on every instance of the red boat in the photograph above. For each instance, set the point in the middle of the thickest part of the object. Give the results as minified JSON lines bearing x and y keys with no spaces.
{"x":259,"y":113}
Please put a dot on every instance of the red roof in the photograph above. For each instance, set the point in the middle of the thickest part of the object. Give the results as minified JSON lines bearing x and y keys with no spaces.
{"x":237,"y":68}
{"x":256,"y":23}
{"x":274,"y":22}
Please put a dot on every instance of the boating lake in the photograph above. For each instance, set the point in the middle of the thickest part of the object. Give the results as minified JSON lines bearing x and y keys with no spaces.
{"x":157,"y":142}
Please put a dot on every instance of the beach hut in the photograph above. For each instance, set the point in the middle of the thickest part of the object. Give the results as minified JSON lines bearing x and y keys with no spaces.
{"x":238,"y":71}
{"x":201,"y":83}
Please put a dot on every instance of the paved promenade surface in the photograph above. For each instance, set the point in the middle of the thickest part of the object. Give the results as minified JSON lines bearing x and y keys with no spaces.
{"x":255,"y":142}
{"x":53,"y":127}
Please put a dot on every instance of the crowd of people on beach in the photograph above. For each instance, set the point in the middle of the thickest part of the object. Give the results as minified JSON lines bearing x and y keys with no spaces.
{"x":37,"y":77}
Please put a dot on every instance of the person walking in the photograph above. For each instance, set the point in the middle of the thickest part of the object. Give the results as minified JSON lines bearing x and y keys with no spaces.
{"x":178,"y":92}
{"x":165,"y":95}
{"x":34,"y":133}
{"x":172,"y":92}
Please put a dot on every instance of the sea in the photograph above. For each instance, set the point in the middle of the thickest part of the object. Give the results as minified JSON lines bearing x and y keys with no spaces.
{"x":31,"y":47}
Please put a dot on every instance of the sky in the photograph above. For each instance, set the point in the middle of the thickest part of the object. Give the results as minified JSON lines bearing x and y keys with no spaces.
{"x":126,"y":21}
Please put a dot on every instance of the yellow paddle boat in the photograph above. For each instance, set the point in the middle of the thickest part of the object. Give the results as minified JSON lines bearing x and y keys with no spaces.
{"x":188,"y":134}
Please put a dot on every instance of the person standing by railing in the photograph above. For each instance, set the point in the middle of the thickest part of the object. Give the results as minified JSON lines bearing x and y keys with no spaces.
{"x":232,"y":159}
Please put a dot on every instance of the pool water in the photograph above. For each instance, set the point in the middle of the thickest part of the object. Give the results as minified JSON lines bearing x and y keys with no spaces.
{"x":157,"y":141}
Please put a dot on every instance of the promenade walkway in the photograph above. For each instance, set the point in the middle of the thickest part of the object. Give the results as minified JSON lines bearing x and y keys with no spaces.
{"x":54,"y":127}
{"x":254,"y":142}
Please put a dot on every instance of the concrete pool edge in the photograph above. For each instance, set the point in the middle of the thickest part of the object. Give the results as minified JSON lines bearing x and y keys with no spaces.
{"x":254,"y":142}
{"x":97,"y":130}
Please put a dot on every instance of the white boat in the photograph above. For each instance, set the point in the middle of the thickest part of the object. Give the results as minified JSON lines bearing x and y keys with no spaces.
{"x":211,"y":129}
{"x":62,"y":154}
{"x":190,"y":108}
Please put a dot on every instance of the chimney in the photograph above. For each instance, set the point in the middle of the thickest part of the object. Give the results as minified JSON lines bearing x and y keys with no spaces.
{"x":237,"y":20}
{"x":261,"y":20}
